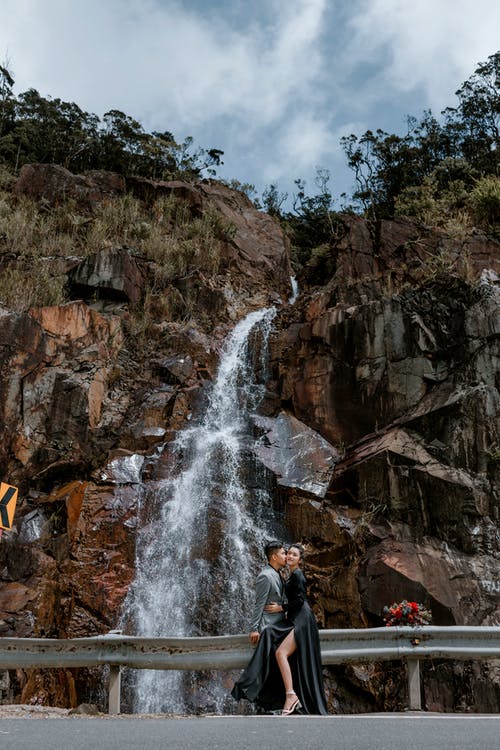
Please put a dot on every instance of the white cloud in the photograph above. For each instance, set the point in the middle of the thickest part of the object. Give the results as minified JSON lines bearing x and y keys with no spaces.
{"x":430,"y":45}
{"x":162,"y":59}
{"x":230,"y":81}
{"x":304,"y":143}
{"x":274,"y":83}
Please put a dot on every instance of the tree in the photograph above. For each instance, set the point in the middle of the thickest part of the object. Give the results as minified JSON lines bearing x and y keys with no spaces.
{"x":7,"y":114}
{"x":273,"y":200}
{"x":385,"y":164}
{"x":50,"y":130}
{"x":314,"y":228}
{"x":38,"y":129}
{"x":475,"y":122}
{"x":6,"y":99}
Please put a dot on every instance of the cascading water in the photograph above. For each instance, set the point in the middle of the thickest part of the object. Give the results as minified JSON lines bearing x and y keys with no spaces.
{"x":196,"y":563}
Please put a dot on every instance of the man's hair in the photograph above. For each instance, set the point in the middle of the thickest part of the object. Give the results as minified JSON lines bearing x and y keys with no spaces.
{"x":272,"y":547}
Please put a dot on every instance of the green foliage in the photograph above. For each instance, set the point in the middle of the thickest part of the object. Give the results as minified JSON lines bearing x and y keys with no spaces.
{"x":409,"y":172}
{"x":312,"y":225}
{"x":455,"y":205}
{"x":6,"y":98}
{"x":384,"y":164}
{"x":38,"y":129}
{"x":484,"y":202}
{"x":475,"y":123}
{"x":273,"y":200}
{"x":440,"y":200}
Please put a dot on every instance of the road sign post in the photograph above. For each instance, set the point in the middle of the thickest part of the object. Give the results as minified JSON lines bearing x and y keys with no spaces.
{"x":8,"y":500}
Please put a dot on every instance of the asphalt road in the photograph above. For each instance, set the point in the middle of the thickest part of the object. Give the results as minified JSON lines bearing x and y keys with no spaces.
{"x":362,"y":732}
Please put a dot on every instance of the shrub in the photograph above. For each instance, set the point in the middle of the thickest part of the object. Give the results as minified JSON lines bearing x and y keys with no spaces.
{"x":484,"y":202}
{"x":435,"y":206}
{"x":21,"y":289}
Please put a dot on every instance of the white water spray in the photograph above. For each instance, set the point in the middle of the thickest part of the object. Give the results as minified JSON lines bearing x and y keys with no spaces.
{"x":196,"y":563}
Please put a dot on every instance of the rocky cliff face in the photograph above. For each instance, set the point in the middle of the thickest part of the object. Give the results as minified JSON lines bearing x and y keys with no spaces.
{"x":398,"y":369}
{"x":380,"y":429}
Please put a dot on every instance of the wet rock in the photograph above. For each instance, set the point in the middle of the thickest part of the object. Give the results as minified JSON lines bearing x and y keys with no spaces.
{"x":33,"y":526}
{"x":176,"y":370}
{"x":297,"y":455}
{"x":123,"y":469}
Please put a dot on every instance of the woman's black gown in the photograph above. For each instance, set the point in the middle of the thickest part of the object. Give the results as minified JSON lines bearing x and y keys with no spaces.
{"x":261,"y":682}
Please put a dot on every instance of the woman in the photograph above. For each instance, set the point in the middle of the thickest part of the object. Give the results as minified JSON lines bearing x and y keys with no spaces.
{"x":286,"y":665}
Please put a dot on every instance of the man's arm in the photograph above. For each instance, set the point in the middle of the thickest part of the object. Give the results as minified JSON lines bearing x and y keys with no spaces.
{"x":262,"y":586}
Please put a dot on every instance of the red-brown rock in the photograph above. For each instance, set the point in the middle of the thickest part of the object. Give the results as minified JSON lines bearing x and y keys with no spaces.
{"x":56,"y":185}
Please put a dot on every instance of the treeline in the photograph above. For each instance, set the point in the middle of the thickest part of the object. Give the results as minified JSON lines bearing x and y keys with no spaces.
{"x":34,"y":128}
{"x":442,"y":172}
{"x":454,"y":152}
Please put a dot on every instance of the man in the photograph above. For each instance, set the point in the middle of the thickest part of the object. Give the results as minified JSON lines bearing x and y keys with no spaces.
{"x":268,"y":590}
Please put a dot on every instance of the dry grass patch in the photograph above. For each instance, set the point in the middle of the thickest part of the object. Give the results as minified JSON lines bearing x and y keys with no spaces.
{"x":34,"y":236}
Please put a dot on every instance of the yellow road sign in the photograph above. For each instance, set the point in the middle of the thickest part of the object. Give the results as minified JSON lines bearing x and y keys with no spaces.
{"x":8,"y":500}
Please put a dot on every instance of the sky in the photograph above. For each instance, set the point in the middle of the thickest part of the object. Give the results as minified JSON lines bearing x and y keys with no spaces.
{"x":275,"y":84}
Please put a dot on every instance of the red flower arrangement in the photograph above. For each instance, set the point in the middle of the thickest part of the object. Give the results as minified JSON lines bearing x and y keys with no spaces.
{"x":406,"y":613}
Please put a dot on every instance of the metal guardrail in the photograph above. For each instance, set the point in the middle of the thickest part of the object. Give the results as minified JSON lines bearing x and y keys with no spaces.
{"x":233,"y":651}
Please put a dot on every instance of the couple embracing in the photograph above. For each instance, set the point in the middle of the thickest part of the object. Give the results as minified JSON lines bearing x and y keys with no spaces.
{"x":285,"y":669}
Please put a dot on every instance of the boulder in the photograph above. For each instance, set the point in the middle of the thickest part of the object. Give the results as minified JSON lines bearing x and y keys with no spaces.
{"x":108,"y":274}
{"x":431,"y":572}
{"x":77,"y":327}
{"x":257,"y":256}
{"x":295,"y":454}
{"x":55,"y":185}
{"x":350,"y":369}
{"x":150,"y":190}
{"x":57,"y":401}
{"x":123,"y":468}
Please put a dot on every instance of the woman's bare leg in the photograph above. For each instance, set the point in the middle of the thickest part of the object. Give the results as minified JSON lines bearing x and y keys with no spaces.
{"x":283,"y":652}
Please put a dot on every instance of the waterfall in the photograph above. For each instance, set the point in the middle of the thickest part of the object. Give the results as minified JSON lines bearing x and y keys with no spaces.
{"x":197,"y":560}
{"x":295,"y":290}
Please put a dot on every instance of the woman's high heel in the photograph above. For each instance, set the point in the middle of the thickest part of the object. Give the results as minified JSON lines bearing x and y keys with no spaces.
{"x":295,"y":705}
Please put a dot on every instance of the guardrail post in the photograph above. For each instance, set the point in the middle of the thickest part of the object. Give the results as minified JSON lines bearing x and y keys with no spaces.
{"x":114,"y":689}
{"x":414,"y":699}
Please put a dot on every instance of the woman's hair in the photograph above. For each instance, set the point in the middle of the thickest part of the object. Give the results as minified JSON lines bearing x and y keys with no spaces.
{"x":300,"y":548}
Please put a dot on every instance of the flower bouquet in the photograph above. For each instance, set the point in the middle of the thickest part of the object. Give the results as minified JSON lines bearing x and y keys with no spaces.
{"x":406,"y":613}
